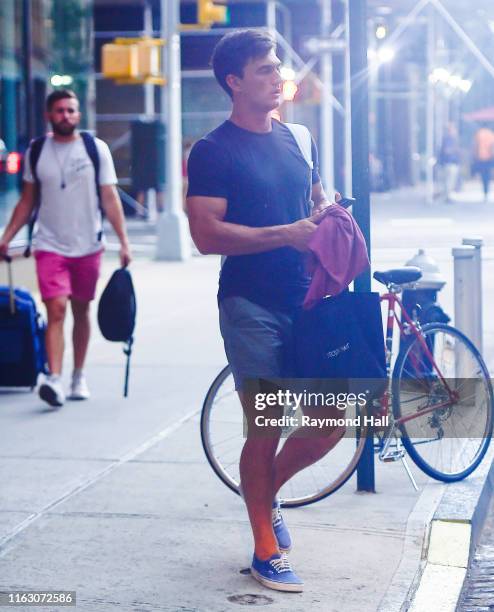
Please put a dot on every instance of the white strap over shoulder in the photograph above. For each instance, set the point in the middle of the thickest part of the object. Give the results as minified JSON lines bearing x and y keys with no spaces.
{"x":303,"y":139}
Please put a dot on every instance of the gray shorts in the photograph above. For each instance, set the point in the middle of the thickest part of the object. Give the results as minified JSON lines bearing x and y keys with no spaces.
{"x":258,"y":342}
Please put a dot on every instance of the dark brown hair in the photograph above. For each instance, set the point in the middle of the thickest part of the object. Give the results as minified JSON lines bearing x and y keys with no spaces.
{"x":234,"y":51}
{"x":59,"y":94}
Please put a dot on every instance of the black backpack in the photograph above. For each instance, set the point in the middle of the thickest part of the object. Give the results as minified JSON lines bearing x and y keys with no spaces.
{"x":117,"y":313}
{"x":36,"y":147}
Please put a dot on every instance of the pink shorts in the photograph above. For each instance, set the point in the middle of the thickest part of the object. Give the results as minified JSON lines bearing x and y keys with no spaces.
{"x":74,"y":277}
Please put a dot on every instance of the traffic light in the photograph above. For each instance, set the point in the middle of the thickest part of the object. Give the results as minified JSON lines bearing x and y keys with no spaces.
{"x":133,"y":60}
{"x":208,"y":13}
{"x":13,"y":163}
{"x":381,"y":31}
{"x":119,"y":61}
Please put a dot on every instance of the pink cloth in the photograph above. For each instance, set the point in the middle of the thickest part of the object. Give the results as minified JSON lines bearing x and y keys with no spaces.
{"x":338,"y":255}
{"x":67,"y":276}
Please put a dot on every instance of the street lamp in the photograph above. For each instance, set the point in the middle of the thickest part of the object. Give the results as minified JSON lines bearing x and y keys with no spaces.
{"x":381,"y":32}
{"x":385,"y":54}
{"x":290,"y":87}
{"x":61,"y":80}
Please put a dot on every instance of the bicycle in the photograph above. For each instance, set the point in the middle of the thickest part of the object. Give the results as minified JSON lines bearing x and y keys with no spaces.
{"x":438,"y":404}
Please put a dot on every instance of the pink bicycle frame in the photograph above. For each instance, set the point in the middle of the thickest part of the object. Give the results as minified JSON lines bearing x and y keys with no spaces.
{"x":411,"y":327}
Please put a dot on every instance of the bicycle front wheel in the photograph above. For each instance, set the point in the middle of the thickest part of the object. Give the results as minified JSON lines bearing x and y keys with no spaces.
{"x":443,"y":395}
{"x":222,"y":439}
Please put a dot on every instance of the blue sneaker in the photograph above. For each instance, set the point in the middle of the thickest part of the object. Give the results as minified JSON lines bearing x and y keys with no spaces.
{"x":276,"y":573}
{"x":280,"y":529}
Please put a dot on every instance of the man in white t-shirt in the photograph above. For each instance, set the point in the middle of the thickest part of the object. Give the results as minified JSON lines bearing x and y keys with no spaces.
{"x":68,"y":241}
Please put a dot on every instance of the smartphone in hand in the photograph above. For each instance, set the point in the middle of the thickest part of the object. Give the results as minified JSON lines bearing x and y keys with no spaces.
{"x":346,"y":202}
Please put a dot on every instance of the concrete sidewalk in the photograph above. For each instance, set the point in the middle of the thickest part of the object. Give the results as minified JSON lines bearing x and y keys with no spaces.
{"x":113,"y":498}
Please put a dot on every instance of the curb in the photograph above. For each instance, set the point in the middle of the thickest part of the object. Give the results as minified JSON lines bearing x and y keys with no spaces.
{"x":407,"y":575}
{"x":453,"y":535}
{"x":442,"y":533}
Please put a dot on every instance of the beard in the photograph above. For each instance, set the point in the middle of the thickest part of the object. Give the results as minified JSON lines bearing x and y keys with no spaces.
{"x":63,"y":128}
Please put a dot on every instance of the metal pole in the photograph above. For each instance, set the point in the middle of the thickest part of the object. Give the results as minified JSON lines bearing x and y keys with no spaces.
{"x":429,"y":155}
{"x":481,"y":58}
{"x":464,"y":266}
{"x":464,"y":285}
{"x":477,"y":242}
{"x":413,"y":127}
{"x":271,"y":16}
{"x":327,"y":151}
{"x":8,"y":98}
{"x":173,"y":235}
{"x":348,"y":106}
{"x":149,"y":109}
{"x":28,"y":67}
{"x":389,"y":171}
{"x":287,"y":60}
{"x":360,"y":176}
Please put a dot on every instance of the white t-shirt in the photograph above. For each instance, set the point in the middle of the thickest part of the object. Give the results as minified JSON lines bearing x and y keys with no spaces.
{"x":69,"y":219}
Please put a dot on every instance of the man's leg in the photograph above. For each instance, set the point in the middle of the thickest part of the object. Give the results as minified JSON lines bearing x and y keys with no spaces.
{"x":84,"y":274}
{"x":257,"y":477}
{"x":54,"y":285}
{"x":80,"y":332}
{"x":299,"y":452}
{"x":56,"y":308}
{"x":50,"y":390}
{"x":485,"y":176}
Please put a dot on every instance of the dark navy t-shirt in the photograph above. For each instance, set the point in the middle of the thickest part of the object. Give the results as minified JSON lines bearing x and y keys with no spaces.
{"x":266,"y":181}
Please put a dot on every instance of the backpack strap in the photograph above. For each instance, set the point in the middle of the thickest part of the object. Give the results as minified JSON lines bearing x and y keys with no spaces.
{"x":304,"y":141}
{"x":92,"y":151}
{"x":128,"y":352}
{"x":35,"y":149}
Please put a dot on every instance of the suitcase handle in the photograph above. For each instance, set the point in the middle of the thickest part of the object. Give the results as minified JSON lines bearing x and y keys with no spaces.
{"x":8,"y":260}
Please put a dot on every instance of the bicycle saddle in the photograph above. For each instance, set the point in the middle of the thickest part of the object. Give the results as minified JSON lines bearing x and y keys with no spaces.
{"x":398,"y":276}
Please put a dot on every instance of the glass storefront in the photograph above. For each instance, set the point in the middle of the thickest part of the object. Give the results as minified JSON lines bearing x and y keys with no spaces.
{"x":58,"y":34}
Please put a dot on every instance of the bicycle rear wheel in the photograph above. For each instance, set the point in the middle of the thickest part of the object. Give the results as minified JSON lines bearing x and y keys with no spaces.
{"x":223,"y":440}
{"x":448,"y":442}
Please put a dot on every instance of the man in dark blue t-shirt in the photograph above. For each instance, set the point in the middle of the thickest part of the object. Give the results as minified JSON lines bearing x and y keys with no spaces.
{"x":255,"y":198}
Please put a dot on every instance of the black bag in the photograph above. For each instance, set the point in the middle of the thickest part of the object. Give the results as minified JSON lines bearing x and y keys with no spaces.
{"x":341,"y":338}
{"x":117,"y":313}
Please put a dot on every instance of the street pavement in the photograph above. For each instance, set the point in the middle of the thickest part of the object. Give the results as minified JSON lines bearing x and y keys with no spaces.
{"x":113,"y":497}
{"x":478,"y":590}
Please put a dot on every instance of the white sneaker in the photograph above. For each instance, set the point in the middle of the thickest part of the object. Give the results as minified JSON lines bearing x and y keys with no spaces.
{"x":78,"y":387}
{"x":51,"y":392}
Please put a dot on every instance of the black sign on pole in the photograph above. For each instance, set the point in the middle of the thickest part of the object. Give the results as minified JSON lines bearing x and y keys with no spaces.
{"x":360,"y":177}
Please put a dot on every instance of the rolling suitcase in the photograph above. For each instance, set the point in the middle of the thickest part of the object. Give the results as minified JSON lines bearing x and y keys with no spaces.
{"x":22,"y":337}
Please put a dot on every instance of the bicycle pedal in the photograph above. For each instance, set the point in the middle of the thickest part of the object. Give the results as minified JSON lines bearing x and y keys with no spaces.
{"x":393,"y":455}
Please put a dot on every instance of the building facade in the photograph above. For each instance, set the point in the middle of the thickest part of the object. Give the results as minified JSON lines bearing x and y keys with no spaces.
{"x":43,"y":44}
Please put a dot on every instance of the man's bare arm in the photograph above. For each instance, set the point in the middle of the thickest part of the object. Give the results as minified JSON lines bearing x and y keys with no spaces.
{"x":20,"y":216}
{"x":212,"y":234}
{"x":110,"y":201}
{"x":320,"y":198}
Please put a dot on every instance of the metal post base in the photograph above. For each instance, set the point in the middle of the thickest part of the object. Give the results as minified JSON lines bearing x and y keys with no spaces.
{"x":409,"y":473}
{"x":173,"y":237}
